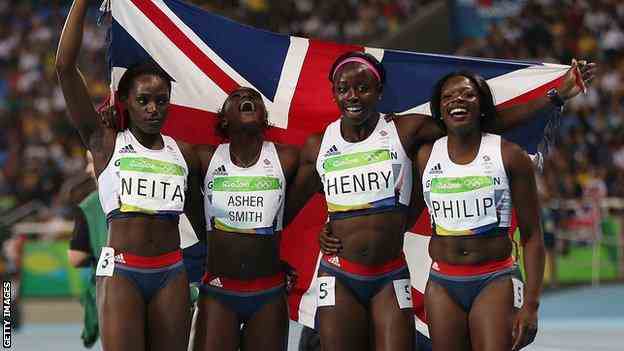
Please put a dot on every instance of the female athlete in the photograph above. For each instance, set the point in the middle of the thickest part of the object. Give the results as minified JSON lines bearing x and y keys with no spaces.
{"x":244,"y":192}
{"x":470,"y":179}
{"x":145,"y":180}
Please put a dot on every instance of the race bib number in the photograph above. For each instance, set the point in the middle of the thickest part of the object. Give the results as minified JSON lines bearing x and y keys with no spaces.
{"x":518,"y":292}
{"x":106,"y":263}
{"x":326,"y":291}
{"x":403,"y":292}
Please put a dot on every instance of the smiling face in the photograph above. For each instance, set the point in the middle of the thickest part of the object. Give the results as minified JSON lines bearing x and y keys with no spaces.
{"x":460,"y":105}
{"x":148,"y":103}
{"x":356,"y":91}
{"x":244,"y":110}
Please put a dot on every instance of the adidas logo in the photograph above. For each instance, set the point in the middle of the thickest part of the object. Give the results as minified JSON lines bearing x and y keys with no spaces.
{"x":216,"y":282}
{"x":332,"y":151}
{"x":120,"y":258}
{"x":437,"y":169}
{"x":220,"y":171}
{"x":127,"y":149}
{"x":383,"y":132}
{"x":335,"y":261}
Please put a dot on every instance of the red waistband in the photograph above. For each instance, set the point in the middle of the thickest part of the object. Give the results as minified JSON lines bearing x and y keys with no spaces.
{"x":253,"y":285}
{"x":360,"y":269}
{"x":165,"y":260}
{"x":475,"y":269}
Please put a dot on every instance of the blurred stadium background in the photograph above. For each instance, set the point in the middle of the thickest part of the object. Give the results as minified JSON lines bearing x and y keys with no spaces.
{"x":582,"y":187}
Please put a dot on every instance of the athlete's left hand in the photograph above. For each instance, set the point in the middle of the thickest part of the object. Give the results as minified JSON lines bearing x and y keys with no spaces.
{"x":524,"y":327}
{"x":291,"y":277}
{"x":109,"y":117}
{"x":577,"y":78}
{"x":330,"y":245}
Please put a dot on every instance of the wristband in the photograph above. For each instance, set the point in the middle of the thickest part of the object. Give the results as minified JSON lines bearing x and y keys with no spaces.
{"x":555,"y":98}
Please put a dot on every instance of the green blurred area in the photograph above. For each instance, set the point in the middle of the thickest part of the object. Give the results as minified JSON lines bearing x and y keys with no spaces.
{"x":46,"y":271}
{"x":575,"y":261}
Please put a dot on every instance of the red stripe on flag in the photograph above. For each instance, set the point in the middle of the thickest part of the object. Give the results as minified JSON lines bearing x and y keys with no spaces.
{"x":418,"y":300}
{"x":532,"y":94}
{"x":203,"y":62}
{"x":423,"y":224}
{"x":191,"y":125}
{"x":299,"y":242}
{"x":314,"y":90}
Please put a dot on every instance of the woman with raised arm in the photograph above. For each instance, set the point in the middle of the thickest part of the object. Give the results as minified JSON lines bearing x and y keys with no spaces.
{"x":362,"y":165}
{"x":470,"y":179}
{"x":242,"y":303}
{"x":144,"y":178}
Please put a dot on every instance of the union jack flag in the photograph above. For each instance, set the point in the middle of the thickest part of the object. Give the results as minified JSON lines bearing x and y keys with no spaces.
{"x":209,"y":56}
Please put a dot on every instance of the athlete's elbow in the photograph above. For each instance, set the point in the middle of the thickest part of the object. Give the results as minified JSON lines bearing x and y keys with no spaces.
{"x":63,"y":65}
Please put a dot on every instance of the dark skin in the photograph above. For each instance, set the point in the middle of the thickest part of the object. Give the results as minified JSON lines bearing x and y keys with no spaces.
{"x":239,"y":255}
{"x":346,"y":325}
{"x":378,"y":238}
{"x":127,"y":322}
{"x":491,"y":324}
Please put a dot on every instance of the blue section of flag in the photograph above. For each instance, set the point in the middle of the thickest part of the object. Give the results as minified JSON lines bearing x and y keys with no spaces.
{"x":124,"y":51}
{"x":244,"y":48}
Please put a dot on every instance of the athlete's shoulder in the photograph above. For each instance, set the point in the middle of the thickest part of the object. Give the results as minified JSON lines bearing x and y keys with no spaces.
{"x":514,"y":157}
{"x":311,"y":147}
{"x":288,"y":155}
{"x":286,"y":150}
{"x":423,"y":154}
{"x":205,"y":150}
{"x":409,"y":122}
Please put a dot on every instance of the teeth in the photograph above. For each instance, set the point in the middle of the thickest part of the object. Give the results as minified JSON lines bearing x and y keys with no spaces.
{"x":247,"y":106}
{"x":354,"y":109}
{"x":458,"y":110}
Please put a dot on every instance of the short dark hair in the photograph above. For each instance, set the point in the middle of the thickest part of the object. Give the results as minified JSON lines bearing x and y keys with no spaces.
{"x":363,"y":55}
{"x":148,"y":67}
{"x":221,"y":130}
{"x":486,"y":99}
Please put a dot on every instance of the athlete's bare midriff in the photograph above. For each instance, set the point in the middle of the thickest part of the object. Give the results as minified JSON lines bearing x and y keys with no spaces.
{"x":144,"y":236}
{"x":243,"y":256}
{"x":372,"y":239}
{"x":469,"y":250}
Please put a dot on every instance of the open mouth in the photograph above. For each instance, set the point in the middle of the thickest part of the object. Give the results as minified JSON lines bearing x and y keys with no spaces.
{"x":247,"y":106}
{"x":458,"y":112}
{"x":354,"y":109}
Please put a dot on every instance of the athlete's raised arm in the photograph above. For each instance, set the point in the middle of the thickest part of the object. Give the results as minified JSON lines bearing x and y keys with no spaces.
{"x":306,"y":181}
{"x":79,"y":106}
{"x":419,"y":129}
{"x":570,"y":87}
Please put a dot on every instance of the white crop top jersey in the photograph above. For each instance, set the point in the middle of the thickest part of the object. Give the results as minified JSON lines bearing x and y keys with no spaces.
{"x":470,"y":199}
{"x":245,"y":200}
{"x":142,"y":180}
{"x":373,"y":175}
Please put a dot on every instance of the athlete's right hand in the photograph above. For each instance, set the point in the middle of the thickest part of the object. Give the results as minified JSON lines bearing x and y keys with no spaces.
{"x":524,"y":327}
{"x":330,"y":245}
